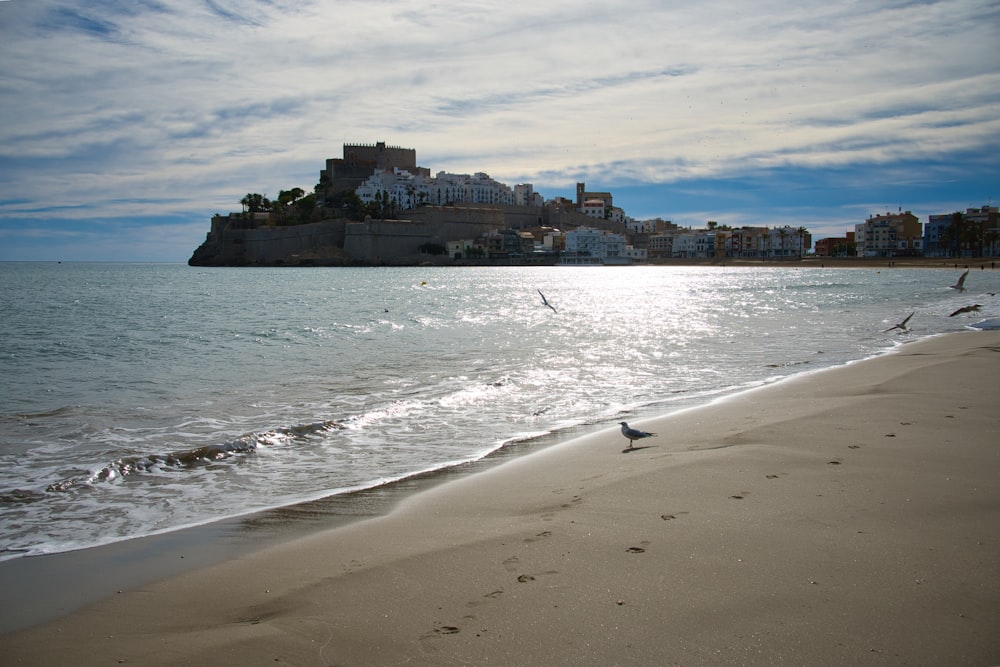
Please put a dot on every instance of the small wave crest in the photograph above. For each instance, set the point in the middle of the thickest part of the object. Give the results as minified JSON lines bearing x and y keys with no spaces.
{"x":184,"y":459}
{"x":19,"y":497}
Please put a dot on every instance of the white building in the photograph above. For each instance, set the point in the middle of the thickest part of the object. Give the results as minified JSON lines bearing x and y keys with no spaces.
{"x":594,"y":246}
{"x":409,"y":190}
{"x":636,"y":255}
{"x":525,"y":195}
{"x":889,"y":235}
{"x":641,"y":226}
{"x":593,"y":208}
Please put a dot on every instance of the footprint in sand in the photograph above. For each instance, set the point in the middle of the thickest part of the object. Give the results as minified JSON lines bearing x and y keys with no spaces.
{"x":493,"y":595}
{"x":441,"y":630}
{"x":575,"y":500}
{"x":511,"y":564}
{"x":639,"y":549}
{"x":524,"y":578}
{"x":541,"y":535}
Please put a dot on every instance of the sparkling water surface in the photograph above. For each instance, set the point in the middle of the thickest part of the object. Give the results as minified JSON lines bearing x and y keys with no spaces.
{"x":141,"y":398}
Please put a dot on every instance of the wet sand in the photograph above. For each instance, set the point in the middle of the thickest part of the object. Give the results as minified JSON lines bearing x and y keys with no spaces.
{"x":847,"y":516}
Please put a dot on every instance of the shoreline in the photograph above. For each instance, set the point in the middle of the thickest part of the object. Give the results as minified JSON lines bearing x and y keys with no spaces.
{"x":807,"y":261}
{"x":841,"y":515}
{"x":42,"y":588}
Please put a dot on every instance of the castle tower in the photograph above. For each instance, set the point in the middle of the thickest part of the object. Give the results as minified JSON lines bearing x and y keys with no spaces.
{"x":361,"y":160}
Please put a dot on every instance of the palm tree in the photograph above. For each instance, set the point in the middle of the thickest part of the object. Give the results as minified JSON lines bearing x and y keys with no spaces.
{"x":255,"y":203}
{"x":955,"y":232}
{"x":975,"y":233}
{"x":803,"y":233}
{"x":991,"y":236}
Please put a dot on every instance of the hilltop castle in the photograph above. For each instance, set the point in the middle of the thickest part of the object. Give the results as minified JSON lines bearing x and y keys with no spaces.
{"x":403,"y":215}
{"x":360,"y":161}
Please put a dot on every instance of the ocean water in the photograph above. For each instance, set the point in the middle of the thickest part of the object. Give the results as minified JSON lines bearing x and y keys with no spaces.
{"x":142,"y":398}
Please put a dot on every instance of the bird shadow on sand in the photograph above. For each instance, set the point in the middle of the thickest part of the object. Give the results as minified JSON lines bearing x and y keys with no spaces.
{"x":629,"y":450}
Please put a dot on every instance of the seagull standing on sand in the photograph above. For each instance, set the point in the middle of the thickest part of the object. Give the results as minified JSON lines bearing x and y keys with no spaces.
{"x":901,"y":325}
{"x":634,"y":434}
{"x":546,"y":302}
{"x":960,"y":285}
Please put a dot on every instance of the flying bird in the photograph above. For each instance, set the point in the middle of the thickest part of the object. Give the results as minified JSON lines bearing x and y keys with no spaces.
{"x":634,"y":434}
{"x":960,"y":285}
{"x":546,"y":302}
{"x":901,"y":325}
{"x":967,"y":309}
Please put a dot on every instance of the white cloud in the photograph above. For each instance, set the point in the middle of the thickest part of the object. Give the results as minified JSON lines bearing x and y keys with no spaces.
{"x":196,"y":103}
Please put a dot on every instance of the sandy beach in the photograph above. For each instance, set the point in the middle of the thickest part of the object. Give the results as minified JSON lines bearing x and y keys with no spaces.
{"x":848,"y":516}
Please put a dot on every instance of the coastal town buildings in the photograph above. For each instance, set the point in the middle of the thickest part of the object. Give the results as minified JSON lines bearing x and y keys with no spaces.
{"x":889,"y":235}
{"x":984,"y":224}
{"x":404,"y":190}
{"x":593,"y":208}
{"x":936,"y":241}
{"x":583,"y":196}
{"x":976,"y":233}
{"x":651,"y":226}
{"x":400,"y":213}
{"x":762,"y":243}
{"x":594,"y":246}
{"x":525,"y":195}
{"x":835,"y":246}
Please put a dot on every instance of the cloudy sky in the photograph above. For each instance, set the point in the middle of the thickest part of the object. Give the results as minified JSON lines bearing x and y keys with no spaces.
{"x":125,"y":124}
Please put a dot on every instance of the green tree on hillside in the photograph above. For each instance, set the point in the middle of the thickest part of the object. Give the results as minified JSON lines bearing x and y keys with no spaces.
{"x":255,"y":203}
{"x":287,"y":197}
{"x":346,"y":203}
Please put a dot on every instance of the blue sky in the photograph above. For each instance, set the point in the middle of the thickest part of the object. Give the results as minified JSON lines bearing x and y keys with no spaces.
{"x":124,"y":125}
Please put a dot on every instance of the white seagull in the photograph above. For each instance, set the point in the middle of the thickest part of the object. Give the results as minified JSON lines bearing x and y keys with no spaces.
{"x":634,"y":434}
{"x":546,"y":302}
{"x":901,"y":325}
{"x":960,"y":285}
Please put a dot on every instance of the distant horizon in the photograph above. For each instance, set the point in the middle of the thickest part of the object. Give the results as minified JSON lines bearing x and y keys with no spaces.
{"x":123,"y":130}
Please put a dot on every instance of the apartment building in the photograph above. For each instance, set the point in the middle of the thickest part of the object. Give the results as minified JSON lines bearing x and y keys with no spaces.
{"x":835,"y":246}
{"x":979,"y":236}
{"x":889,"y":235}
{"x":594,"y":246}
{"x":407,"y":190}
